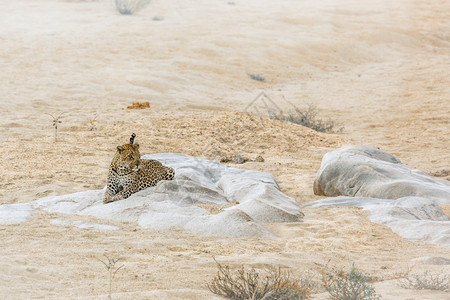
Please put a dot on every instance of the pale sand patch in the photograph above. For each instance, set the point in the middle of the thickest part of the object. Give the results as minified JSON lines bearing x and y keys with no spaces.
{"x":380,"y":68}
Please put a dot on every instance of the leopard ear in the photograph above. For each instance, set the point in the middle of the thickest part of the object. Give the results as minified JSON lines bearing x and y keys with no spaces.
{"x":132,"y":138}
{"x":120,"y":149}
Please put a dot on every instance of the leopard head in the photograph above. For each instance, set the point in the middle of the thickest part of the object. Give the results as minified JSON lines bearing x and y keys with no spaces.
{"x":126,"y":159}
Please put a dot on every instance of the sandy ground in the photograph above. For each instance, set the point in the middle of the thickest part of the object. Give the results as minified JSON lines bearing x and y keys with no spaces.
{"x":380,"y":68}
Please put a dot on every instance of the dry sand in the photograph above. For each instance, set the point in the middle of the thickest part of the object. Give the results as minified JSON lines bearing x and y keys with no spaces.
{"x":381,"y":68}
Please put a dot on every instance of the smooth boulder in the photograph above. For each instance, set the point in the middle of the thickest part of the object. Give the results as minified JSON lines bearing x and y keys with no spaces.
{"x":365,"y":171}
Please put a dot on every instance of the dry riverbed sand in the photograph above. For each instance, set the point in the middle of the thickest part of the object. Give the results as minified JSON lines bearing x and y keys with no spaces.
{"x":381,"y":69}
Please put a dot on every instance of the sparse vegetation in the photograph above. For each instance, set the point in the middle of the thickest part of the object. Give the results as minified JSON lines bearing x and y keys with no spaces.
{"x":55,"y":122}
{"x":256,"y":77}
{"x":110,"y":265}
{"x":427,"y":281}
{"x":250,"y":284}
{"x":93,"y":124}
{"x":128,"y":7}
{"x":353,"y":285}
{"x":308,"y":118}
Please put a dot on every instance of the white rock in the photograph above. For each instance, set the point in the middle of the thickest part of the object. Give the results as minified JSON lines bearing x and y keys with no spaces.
{"x":433,"y":260}
{"x":365,"y":171}
{"x":173,"y":204}
{"x":265,"y":205}
{"x":414,"y":218}
{"x":15,"y":213}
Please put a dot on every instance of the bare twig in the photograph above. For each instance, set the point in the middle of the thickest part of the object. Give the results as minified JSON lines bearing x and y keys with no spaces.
{"x":55,"y":122}
{"x":110,"y":264}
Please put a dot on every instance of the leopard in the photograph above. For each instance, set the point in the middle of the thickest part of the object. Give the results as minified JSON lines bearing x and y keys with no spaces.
{"x":129,"y":173}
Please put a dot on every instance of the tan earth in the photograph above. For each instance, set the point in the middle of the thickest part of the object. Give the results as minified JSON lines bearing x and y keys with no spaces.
{"x":379,"y":68}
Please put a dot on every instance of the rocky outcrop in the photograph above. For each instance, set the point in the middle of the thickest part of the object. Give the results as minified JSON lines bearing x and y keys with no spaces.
{"x":365,"y":171}
{"x":400,"y":197}
{"x":204,"y":198}
{"x":414,"y":218}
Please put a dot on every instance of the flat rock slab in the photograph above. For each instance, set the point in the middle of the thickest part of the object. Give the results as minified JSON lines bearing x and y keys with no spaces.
{"x":245,"y":200}
{"x":405,"y":199}
{"x":414,"y":218}
{"x":365,"y":171}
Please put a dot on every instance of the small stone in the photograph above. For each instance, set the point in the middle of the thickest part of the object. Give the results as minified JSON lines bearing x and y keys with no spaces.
{"x":236,"y":159}
{"x":259,"y":158}
{"x":139,"y":105}
{"x":225,"y":159}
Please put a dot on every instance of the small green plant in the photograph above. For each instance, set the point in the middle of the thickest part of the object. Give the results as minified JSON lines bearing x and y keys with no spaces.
{"x":250,"y":284}
{"x":110,"y":265}
{"x":93,"y":124}
{"x":55,"y":122}
{"x":352,"y":285}
{"x":307,"y":117}
{"x":427,"y":281}
{"x":256,"y":77}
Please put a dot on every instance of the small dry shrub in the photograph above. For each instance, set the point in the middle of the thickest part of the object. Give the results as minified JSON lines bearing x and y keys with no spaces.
{"x":250,"y":284}
{"x":290,"y":290}
{"x":307,"y":117}
{"x":128,"y":7}
{"x":256,"y":77}
{"x":352,"y":285}
{"x":427,"y":281}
